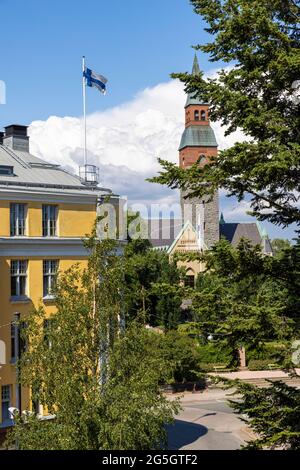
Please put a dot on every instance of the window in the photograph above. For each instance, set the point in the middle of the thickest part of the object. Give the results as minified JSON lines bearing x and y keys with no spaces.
{"x":6,"y":170}
{"x":48,"y":324}
{"x":5,"y":402}
{"x":13,"y":341}
{"x":18,"y":275}
{"x":196,"y":115}
{"x":49,"y":275}
{"x":17,"y":219}
{"x":202,"y":158}
{"x":190,"y":281}
{"x":203,"y":116}
{"x":49,"y":220}
{"x":16,"y":341}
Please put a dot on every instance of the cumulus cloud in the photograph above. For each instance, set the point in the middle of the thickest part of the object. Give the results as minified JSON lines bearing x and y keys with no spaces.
{"x":124,"y":141}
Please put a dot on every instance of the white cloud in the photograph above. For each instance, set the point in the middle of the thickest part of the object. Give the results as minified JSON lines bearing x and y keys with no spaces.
{"x":124,"y":141}
{"x":235,"y":211}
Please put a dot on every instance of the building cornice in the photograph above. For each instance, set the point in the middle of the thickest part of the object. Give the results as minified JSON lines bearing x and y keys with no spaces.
{"x":17,"y":194}
{"x":40,"y":247}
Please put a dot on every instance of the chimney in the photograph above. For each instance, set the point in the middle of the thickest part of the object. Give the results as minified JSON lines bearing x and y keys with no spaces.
{"x":16,"y":138}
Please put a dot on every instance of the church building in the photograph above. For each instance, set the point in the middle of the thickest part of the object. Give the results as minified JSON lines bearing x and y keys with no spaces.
{"x":201,"y":224}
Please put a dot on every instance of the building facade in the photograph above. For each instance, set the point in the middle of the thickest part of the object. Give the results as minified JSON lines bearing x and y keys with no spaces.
{"x":45,"y":212}
{"x":201,"y":225}
{"x":198,"y":145}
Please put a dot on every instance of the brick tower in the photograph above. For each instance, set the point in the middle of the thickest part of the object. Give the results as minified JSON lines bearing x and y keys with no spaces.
{"x":198,"y":143}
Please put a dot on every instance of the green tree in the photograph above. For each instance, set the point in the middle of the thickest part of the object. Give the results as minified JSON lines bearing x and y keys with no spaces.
{"x":273,"y":413}
{"x":239,"y":301}
{"x":182,"y":354}
{"x":279,"y":245}
{"x":152,"y":283}
{"x":101,"y":382}
{"x":256,"y":93}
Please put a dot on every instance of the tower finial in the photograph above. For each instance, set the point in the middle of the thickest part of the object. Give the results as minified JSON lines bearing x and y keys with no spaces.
{"x":222,"y":220}
{"x":196,"y":68}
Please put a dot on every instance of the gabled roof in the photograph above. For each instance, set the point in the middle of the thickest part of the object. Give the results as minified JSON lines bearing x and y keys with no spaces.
{"x":33,"y":172}
{"x":187,"y":226}
{"x":233,"y":232}
{"x":164,"y":234}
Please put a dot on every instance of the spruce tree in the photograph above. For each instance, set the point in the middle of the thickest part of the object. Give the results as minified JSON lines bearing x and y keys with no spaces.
{"x":258,"y":93}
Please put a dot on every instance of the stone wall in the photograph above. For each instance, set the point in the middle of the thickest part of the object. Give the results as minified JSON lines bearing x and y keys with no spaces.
{"x":206,"y":211}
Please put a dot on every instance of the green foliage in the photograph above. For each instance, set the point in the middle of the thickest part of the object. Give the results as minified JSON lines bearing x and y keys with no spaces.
{"x":271,"y":351}
{"x":152,"y":285}
{"x":273,"y":413}
{"x":245,"y":298}
{"x":133,"y":409}
{"x":212,"y":353}
{"x":101,"y":382}
{"x":260,"y":40}
{"x":279,"y":246}
{"x":239,"y":299}
{"x":262,"y":364}
{"x":181,"y":353}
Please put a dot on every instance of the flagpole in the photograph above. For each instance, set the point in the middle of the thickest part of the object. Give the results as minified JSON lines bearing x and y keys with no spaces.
{"x":84,"y":107}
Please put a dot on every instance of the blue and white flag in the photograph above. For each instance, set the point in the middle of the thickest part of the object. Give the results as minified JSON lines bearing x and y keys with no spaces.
{"x":93,"y":79}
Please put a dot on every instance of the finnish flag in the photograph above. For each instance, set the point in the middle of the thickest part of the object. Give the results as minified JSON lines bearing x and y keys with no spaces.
{"x":93,"y":79}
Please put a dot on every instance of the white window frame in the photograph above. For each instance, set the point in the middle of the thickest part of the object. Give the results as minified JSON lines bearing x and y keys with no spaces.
{"x":18,"y":269}
{"x":50,"y":268}
{"x":18,"y":219}
{"x":47,"y":220}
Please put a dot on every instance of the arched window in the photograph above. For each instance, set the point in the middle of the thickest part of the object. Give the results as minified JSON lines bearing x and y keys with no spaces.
{"x":196,"y":115}
{"x":203,"y":115}
{"x":189,"y":280}
{"x":201,"y":158}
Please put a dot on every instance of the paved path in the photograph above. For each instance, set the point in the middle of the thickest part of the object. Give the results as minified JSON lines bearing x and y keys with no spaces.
{"x":207,"y":423}
{"x":255,"y":374}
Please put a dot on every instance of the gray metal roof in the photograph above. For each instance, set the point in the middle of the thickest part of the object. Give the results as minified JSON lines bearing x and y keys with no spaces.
{"x":30,"y":171}
{"x":198,"y":136}
{"x":233,"y":232}
{"x":192,"y":99}
{"x":163,"y":232}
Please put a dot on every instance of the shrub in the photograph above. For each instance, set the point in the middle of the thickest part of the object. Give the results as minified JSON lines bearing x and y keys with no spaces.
{"x":182,"y":353}
{"x":260,"y":364}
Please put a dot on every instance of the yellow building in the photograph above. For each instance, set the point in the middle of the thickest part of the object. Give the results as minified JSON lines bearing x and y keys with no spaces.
{"x":44,"y":214}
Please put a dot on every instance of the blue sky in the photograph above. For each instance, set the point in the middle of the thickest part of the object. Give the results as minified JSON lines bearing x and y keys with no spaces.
{"x":136,"y":44}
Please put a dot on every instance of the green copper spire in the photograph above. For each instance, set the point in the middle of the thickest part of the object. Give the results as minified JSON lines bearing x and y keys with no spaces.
{"x":191,"y":98}
{"x":196,"y":68}
{"x":222,"y":220}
